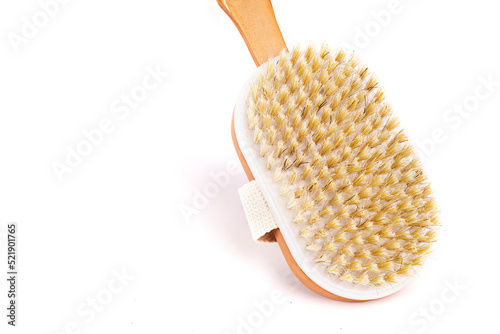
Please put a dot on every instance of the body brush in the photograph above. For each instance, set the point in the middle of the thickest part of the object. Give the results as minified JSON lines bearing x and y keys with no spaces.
{"x":333,"y":178}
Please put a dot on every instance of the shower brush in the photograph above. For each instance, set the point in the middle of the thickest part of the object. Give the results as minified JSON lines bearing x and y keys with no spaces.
{"x":333,"y":177}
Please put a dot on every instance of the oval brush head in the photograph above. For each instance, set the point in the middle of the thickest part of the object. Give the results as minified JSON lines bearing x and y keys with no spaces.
{"x":340,"y":176}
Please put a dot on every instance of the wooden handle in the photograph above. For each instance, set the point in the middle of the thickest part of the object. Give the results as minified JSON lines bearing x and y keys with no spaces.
{"x":257,"y":25}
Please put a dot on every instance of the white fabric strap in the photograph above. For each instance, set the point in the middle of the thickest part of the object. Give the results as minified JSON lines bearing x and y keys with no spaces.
{"x":257,"y":211}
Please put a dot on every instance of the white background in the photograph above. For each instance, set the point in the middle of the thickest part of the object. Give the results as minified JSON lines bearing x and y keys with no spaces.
{"x":120,"y":208}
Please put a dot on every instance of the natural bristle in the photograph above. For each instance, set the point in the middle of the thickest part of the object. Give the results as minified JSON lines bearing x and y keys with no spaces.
{"x":346,"y":169}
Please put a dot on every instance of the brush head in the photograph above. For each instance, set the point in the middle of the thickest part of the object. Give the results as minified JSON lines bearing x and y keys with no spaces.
{"x":350,"y":177}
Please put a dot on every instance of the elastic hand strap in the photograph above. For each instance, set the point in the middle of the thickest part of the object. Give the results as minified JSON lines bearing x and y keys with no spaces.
{"x":260,"y":218}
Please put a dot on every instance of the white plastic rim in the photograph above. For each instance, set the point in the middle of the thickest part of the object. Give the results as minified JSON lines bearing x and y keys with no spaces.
{"x":284,"y":217}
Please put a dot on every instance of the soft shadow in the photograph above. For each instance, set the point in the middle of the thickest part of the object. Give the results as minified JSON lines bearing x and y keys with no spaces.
{"x":225,"y":222}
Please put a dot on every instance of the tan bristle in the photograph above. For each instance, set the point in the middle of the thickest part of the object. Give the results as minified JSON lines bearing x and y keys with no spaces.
{"x":347,"y":170}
